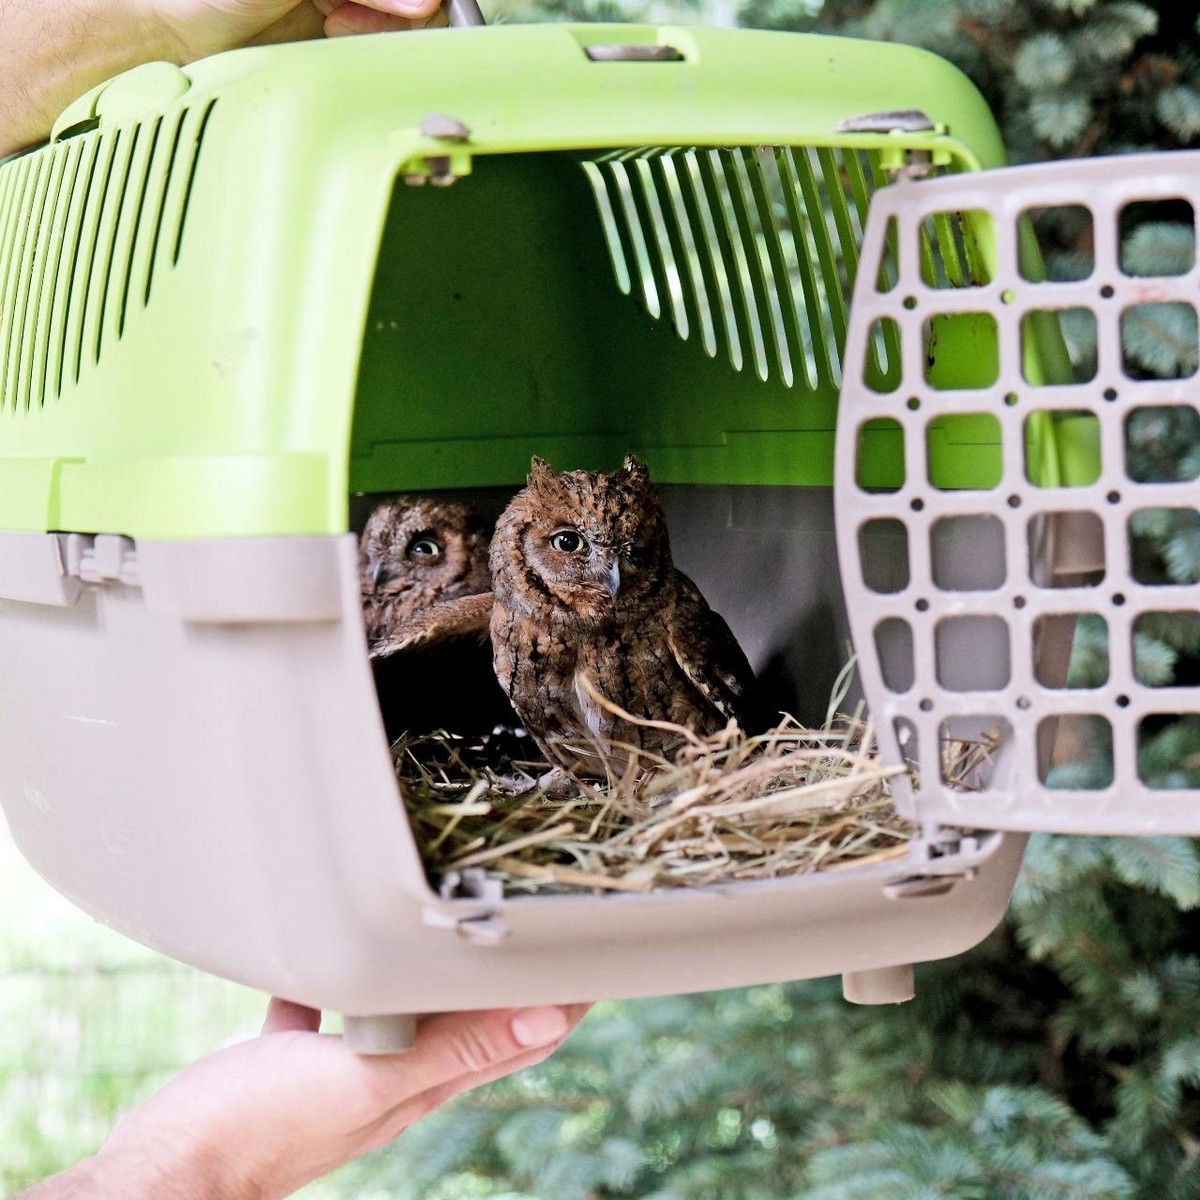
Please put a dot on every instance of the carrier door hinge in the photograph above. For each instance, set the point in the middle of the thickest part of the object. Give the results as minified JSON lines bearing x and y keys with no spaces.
{"x":444,"y":168}
{"x":483,"y":925}
{"x":902,"y":162}
{"x":951,"y":857}
{"x":101,"y":558}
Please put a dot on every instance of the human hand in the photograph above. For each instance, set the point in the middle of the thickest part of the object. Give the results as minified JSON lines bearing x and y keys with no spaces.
{"x":50,"y":53}
{"x":263,"y":1118}
{"x":200,"y":27}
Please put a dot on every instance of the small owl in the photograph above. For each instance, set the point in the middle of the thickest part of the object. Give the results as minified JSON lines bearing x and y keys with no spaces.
{"x":414,"y":552}
{"x":420,"y":558}
{"x":588,"y":604}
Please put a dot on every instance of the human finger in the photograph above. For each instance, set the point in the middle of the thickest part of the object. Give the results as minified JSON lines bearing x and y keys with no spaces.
{"x":285,"y":1016}
{"x":461,"y":1046}
{"x":396,"y":8}
{"x":438,"y":1095}
{"x":413,"y":1108}
{"x":300,"y":24}
{"x":412,"y":9}
{"x":382,"y":16}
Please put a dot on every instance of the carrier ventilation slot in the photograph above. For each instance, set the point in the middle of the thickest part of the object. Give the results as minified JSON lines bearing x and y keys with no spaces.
{"x":86,"y":226}
{"x":750,"y":251}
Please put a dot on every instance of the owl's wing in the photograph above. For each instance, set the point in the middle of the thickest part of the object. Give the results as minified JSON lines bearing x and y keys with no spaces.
{"x":465,"y":617}
{"x":709,"y":655}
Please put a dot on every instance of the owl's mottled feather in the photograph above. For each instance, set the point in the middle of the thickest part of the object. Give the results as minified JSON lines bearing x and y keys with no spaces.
{"x":464,"y":618}
{"x":588,"y":603}
{"x":715,"y":665}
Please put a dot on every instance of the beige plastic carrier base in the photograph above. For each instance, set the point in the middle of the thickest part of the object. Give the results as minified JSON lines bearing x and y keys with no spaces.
{"x":257,"y":830}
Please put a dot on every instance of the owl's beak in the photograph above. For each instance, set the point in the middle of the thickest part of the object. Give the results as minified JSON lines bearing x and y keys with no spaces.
{"x":379,"y":574}
{"x":612,"y":578}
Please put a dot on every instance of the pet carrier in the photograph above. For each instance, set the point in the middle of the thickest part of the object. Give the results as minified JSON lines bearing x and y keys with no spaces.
{"x":235,"y":295}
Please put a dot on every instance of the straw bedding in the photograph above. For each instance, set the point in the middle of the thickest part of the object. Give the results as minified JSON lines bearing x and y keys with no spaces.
{"x":725,"y":808}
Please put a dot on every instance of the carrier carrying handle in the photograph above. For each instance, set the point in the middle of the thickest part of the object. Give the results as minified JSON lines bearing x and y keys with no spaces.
{"x":463,"y":12}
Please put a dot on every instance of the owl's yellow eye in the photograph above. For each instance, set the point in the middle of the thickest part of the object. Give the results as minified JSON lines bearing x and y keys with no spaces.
{"x":566,"y":540}
{"x":424,"y":548}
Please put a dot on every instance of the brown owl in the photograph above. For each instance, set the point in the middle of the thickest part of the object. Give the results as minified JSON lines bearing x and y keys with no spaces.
{"x":588,"y":602}
{"x":414,"y":552}
{"x":419,"y":559}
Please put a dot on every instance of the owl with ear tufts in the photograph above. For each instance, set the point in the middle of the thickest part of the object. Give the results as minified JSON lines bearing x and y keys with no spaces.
{"x":422,"y":567}
{"x":590,"y":616}
{"x":416,"y":551}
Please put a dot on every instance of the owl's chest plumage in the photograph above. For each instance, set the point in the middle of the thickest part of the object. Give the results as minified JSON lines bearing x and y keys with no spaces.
{"x":559,"y":672}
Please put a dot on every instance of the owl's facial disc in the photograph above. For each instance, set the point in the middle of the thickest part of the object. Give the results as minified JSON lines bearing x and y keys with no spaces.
{"x":594,"y":566}
{"x":604,"y":570}
{"x":393,"y":572}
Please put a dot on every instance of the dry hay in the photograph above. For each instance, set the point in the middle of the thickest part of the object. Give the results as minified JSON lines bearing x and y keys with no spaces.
{"x":725,"y":808}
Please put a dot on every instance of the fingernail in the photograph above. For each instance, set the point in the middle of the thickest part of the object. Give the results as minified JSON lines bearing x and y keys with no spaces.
{"x":537,"y":1026}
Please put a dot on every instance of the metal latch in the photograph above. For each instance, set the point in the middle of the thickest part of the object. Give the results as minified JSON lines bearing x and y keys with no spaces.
{"x":441,"y":170}
{"x":901,"y":162}
{"x":102,"y":558}
{"x":900,"y":120}
{"x":484,"y":926}
{"x":944,"y":850}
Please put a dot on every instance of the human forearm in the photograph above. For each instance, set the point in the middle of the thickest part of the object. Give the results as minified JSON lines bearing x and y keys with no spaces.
{"x":258,"y":1120}
{"x":51,"y":53}
{"x":137,"y":1177}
